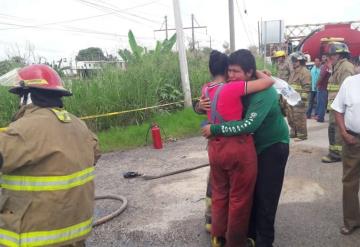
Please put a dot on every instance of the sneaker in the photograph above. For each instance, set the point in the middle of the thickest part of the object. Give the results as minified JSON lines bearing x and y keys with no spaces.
{"x":217,"y":241}
{"x":329,"y":159}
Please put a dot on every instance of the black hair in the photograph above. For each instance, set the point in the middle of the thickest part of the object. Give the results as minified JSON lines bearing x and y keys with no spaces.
{"x":245,"y":59}
{"x":218,"y":63}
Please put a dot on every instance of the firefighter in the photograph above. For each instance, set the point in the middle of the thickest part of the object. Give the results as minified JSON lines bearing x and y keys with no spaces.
{"x":300,"y":80}
{"x":47,"y":159}
{"x":282,"y":66}
{"x":338,"y":54}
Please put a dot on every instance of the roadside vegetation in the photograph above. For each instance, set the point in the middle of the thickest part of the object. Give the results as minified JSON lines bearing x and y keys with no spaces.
{"x":150,"y":78}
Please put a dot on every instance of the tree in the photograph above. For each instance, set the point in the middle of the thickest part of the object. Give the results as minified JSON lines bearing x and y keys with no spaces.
{"x":90,"y":54}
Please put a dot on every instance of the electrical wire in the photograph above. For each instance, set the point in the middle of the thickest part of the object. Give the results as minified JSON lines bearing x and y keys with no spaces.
{"x":116,"y":10}
{"x":251,"y":41}
{"x":72,"y":29}
{"x":74,"y":20}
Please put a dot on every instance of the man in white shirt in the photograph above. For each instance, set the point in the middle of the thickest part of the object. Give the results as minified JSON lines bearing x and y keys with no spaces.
{"x":347,"y":114}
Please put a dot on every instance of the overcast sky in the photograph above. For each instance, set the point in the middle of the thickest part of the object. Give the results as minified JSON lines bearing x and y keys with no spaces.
{"x":57,"y":29}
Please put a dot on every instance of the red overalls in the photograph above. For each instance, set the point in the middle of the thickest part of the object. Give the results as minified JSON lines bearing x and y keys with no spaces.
{"x":233,"y":176}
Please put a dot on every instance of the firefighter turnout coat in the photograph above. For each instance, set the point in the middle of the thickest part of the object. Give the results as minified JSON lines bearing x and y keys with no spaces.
{"x":48,"y":158}
{"x":300,"y":80}
{"x":341,"y":71}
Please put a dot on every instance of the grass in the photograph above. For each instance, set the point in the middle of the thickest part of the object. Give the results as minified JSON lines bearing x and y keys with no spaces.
{"x":180,"y":124}
{"x":155,"y":80}
{"x":152,"y":81}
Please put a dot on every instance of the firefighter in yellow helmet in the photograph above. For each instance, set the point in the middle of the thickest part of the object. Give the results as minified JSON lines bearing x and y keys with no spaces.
{"x":282,"y":66}
{"x":47,"y":159}
{"x":300,"y":80}
{"x":338,"y":54}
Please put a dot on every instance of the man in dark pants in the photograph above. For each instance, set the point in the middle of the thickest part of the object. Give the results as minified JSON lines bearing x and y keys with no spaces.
{"x":264,"y":118}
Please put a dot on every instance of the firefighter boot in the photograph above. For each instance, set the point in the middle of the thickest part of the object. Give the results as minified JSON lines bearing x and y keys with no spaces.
{"x":217,"y":241}
{"x":292,"y":133}
{"x":208,"y":223}
{"x":330,"y":159}
{"x":300,"y":137}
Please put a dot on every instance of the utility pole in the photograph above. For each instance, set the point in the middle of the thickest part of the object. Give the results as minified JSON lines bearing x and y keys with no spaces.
{"x":192,"y":32}
{"x":210,"y":42}
{"x":193,"y":27}
{"x":166,"y":27}
{"x":231,"y":25}
{"x":182,"y":55}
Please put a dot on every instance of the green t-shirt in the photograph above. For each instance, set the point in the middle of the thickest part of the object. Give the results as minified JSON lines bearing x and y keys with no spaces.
{"x":263,"y":118}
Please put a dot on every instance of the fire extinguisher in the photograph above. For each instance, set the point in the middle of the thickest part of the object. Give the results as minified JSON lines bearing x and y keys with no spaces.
{"x":156,"y":136}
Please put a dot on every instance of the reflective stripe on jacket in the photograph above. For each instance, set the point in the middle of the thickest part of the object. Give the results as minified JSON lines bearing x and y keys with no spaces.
{"x":342,"y":69}
{"x":300,"y":80}
{"x":48,"y":170}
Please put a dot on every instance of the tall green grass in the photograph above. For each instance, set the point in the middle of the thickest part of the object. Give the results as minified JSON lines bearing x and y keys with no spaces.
{"x":152,"y":81}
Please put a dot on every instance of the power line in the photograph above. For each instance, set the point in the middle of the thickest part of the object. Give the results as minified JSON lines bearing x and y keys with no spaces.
{"x":252,"y":29}
{"x":193,"y":27}
{"x":77,"y":19}
{"x":116,"y":10}
{"x":251,"y":41}
{"x":60,"y":22}
{"x":72,"y":29}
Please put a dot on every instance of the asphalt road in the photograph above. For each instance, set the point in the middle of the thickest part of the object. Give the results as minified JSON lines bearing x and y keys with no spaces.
{"x":169,"y":211}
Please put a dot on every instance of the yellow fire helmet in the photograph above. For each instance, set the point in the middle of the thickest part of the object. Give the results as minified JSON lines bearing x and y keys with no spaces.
{"x":279,"y":54}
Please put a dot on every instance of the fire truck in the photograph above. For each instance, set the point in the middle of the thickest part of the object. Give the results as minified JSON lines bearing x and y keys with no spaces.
{"x":312,"y":39}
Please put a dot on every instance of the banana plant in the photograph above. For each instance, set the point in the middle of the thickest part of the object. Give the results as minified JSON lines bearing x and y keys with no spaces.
{"x":137,"y":52}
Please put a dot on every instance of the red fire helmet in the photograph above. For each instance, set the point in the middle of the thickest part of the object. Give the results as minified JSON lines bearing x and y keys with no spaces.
{"x":38,"y":76}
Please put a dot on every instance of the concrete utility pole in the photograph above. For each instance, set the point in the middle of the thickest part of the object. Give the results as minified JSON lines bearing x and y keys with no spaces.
{"x":166,"y":27}
{"x":192,"y":32}
{"x":182,"y":55}
{"x":231,"y":25}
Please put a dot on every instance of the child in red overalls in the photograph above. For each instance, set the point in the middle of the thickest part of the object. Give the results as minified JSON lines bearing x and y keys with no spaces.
{"x":232,"y":159}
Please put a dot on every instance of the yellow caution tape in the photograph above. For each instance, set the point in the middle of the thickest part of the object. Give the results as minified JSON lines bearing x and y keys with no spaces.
{"x":127,"y":111}
{"x":120,"y":112}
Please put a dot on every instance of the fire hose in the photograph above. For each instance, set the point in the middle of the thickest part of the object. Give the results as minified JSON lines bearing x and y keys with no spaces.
{"x":124,"y":200}
{"x":115,"y":213}
{"x":151,"y":177}
{"x":148,"y":177}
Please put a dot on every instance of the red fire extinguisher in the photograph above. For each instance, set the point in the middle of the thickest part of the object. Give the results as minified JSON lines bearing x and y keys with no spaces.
{"x":156,"y":136}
